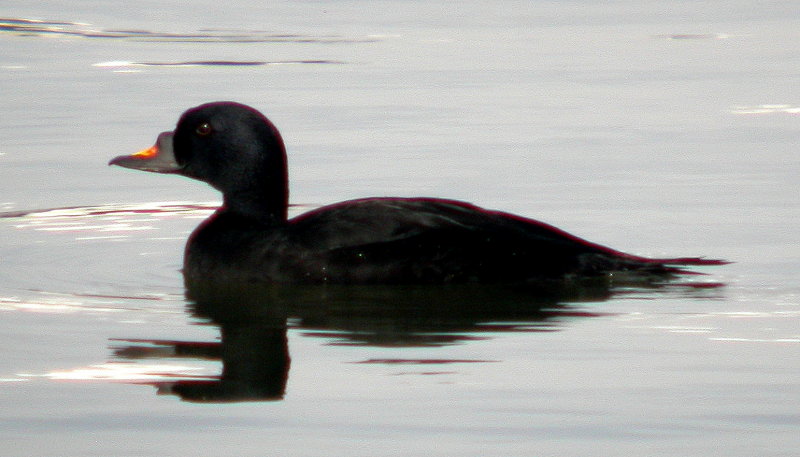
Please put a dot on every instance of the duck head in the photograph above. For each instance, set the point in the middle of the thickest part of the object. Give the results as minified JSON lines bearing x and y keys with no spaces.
{"x":230,"y":146}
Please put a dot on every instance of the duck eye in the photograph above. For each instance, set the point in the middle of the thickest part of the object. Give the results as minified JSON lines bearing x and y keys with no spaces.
{"x":204,"y":129}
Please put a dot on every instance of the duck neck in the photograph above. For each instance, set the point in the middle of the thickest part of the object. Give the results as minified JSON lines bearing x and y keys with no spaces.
{"x":267,"y":209}
{"x":267,"y":204}
{"x":262,"y":193}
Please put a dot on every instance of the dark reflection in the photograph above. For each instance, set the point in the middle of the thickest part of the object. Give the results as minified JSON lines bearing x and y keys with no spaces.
{"x":427,"y":315}
{"x":222,"y":63}
{"x":252,"y":319}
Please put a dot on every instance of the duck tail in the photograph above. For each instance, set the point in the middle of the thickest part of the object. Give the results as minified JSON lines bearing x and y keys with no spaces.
{"x":673,"y":266}
{"x":685,"y":261}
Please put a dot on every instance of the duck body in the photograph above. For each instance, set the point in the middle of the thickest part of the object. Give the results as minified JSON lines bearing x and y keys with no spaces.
{"x":400,"y":241}
{"x":367,"y":241}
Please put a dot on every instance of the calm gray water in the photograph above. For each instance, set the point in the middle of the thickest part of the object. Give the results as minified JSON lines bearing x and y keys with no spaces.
{"x":658,"y":128}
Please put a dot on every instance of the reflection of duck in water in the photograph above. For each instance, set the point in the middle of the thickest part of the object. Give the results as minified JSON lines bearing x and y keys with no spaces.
{"x":377,"y":240}
{"x":252,"y":318}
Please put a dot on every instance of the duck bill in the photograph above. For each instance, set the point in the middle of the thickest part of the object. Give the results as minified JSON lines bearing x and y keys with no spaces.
{"x":160,"y":158}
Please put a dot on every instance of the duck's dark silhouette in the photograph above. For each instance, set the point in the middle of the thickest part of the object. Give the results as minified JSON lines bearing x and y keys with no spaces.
{"x":238,"y":151}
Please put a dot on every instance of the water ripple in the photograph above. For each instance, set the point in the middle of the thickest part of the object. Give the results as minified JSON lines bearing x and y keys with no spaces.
{"x":56,"y":218}
{"x":774,"y":108}
{"x":213,"y":63}
{"x":34,"y":27}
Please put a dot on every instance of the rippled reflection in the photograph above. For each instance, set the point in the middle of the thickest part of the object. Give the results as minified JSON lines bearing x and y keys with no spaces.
{"x":253,"y":321}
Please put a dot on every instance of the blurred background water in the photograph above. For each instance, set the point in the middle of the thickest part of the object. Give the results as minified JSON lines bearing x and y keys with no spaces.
{"x":658,"y":128}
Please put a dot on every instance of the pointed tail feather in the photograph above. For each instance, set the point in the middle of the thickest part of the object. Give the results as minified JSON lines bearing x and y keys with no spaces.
{"x":673,"y":266}
{"x":686,"y":261}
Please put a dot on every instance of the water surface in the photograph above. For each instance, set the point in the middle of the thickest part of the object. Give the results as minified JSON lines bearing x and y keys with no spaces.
{"x":658,"y":129}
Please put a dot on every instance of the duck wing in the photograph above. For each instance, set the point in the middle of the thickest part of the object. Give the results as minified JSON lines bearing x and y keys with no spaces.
{"x":425,"y":240}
